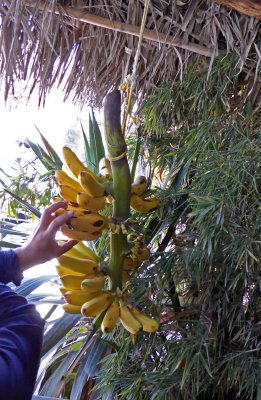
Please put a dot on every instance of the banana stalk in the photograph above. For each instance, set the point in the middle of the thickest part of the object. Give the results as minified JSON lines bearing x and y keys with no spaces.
{"x":121,"y":182}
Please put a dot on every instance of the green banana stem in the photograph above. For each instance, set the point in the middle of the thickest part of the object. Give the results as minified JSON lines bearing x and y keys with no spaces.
{"x":121,"y":182}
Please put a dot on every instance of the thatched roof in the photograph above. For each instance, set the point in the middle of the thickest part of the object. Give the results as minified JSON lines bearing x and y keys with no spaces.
{"x":88,"y":46}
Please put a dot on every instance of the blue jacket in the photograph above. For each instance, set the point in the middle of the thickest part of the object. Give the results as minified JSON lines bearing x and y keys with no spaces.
{"x":21,"y":333}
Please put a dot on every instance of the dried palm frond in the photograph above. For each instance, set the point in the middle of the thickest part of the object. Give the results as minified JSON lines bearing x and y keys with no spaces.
{"x":89,"y":46}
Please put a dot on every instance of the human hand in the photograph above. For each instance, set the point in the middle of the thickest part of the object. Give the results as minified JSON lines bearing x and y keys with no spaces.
{"x":42,"y":246}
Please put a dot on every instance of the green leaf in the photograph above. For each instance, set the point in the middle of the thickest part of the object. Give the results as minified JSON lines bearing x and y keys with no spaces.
{"x":28,"y":206}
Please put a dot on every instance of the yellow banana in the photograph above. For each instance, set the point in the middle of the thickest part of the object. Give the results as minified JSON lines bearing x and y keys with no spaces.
{"x":148,"y":324}
{"x":90,"y":185}
{"x":93,"y":284}
{"x":111,"y":317}
{"x":97,"y":305}
{"x":143,"y":205}
{"x":71,"y":309}
{"x":84,"y":266}
{"x":78,"y":211}
{"x":90,"y":222}
{"x":139,"y":185}
{"x":91,"y":203}
{"x":73,"y":162}
{"x":68,"y":193}
{"x":130,"y":323}
{"x":105,"y":167}
{"x":80,"y":235}
{"x":78,"y":297}
{"x":61,"y":270}
{"x":73,"y":282}
{"x":62,"y":178}
{"x":87,"y":252}
{"x":63,"y":290}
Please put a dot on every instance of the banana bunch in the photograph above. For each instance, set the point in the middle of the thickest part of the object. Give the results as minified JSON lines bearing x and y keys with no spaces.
{"x":138,"y":203}
{"x":76,"y":266}
{"x":132,"y":319}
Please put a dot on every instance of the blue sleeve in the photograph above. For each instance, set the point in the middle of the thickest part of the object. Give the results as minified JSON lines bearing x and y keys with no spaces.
{"x":21,"y":332}
{"x":9,"y":268}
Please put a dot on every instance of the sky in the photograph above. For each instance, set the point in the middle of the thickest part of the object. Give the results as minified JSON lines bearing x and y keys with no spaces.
{"x":18,"y":120}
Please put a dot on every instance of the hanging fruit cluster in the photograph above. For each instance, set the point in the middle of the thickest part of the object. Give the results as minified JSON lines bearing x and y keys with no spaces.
{"x":89,"y":286}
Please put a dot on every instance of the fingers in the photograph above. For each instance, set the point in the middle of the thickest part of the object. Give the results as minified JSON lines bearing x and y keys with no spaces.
{"x":67,"y":246}
{"x":49,"y":211}
{"x":56,"y":224}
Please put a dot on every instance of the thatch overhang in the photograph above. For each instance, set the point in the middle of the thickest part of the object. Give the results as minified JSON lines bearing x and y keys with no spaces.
{"x":88,"y":46}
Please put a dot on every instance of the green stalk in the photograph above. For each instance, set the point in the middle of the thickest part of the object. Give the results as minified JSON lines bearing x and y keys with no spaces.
{"x":121,"y":183}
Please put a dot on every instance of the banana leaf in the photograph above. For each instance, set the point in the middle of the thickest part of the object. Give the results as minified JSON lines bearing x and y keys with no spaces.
{"x":28,"y":206}
{"x":29,"y":285}
{"x":89,"y":366}
{"x":94,"y":148}
{"x":59,"y":329}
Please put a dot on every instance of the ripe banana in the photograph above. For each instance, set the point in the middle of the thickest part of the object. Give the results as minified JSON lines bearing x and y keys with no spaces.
{"x":68,"y":193}
{"x":90,"y":222}
{"x":90,"y":185}
{"x":139,"y":185}
{"x":61,"y":270}
{"x":84,"y":266}
{"x":97,"y":305}
{"x":80,"y":235}
{"x":73,"y":282}
{"x":90,"y":203}
{"x":78,"y":297}
{"x":73,"y":162}
{"x":143,"y":205}
{"x":71,"y":309}
{"x":93,"y":284}
{"x":78,"y":211}
{"x":111,"y":317}
{"x":148,"y":324}
{"x":62,"y":178}
{"x":130,"y":323}
{"x":63,"y":290}
{"x":87,"y":252}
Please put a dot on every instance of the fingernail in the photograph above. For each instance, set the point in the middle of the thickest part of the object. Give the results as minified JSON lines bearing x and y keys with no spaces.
{"x":70,"y":213}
